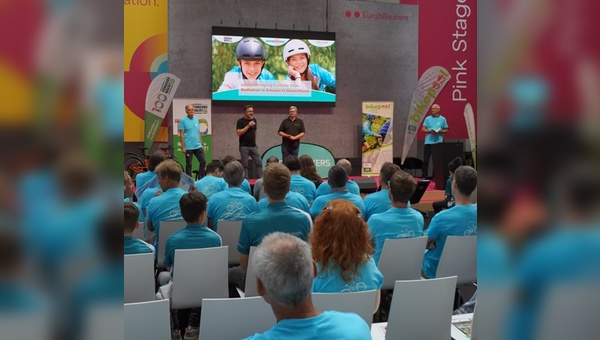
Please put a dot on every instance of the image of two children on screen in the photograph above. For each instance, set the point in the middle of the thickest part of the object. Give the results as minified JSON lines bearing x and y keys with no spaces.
{"x":251,"y":57}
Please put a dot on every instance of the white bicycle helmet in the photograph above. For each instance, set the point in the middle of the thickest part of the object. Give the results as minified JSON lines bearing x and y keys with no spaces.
{"x":294,"y":47}
{"x":250,"y":49}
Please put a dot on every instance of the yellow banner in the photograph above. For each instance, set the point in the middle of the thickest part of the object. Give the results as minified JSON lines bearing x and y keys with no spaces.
{"x":145,"y":56}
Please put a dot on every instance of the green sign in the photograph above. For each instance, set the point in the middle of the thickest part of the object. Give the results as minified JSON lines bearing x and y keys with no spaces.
{"x":322,"y":157}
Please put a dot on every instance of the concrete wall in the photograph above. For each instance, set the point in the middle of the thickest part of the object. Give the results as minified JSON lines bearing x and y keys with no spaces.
{"x":376,"y":61}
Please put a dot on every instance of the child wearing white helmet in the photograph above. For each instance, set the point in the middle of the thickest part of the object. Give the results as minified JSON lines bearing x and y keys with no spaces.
{"x":251,"y":55}
{"x":296,"y":55}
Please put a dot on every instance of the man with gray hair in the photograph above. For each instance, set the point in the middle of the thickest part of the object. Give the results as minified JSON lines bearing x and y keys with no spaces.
{"x":353,"y":188}
{"x":231,"y":204}
{"x":337,"y":179}
{"x":284,"y":275}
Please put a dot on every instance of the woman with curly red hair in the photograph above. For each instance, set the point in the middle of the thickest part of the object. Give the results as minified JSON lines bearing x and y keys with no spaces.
{"x":341,"y":247}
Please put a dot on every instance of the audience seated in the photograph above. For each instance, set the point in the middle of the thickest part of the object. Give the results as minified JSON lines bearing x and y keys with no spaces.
{"x":309,"y":171}
{"x":347,"y":266}
{"x":284,"y":271}
{"x":293,"y":199}
{"x":131,"y":244}
{"x":399,"y":221}
{"x":278,"y":216}
{"x":353,"y":188}
{"x":128,"y":194}
{"x":153,"y":161}
{"x":461,"y":220}
{"x":232,"y":204}
{"x":165,"y":207}
{"x":195,"y":235}
{"x":245,"y":184}
{"x":337,"y":181}
{"x":379,"y":201}
{"x":300,"y":184}
{"x":257,"y":191}
{"x":213,"y":181}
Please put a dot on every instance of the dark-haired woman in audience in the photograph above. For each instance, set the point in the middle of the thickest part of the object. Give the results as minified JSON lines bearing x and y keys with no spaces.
{"x":309,"y":171}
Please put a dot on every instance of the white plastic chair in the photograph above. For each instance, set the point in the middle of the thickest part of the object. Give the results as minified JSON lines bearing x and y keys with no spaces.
{"x":139,"y":277}
{"x":361,"y":303}
{"x":459,"y":258}
{"x":230,"y":235}
{"x":198,"y":274}
{"x":250,"y":289}
{"x":167,"y":228}
{"x":235,"y":319}
{"x":401,"y":259}
{"x":147,"y":320}
{"x":421,"y":309}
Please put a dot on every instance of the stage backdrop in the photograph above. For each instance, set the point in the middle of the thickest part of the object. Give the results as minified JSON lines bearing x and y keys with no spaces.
{"x":322,"y":157}
{"x":203,"y":112}
{"x":377,"y":136}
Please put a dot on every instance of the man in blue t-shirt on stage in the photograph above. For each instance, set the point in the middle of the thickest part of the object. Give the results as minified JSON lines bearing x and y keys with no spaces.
{"x":434,"y":127}
{"x":191,"y":141}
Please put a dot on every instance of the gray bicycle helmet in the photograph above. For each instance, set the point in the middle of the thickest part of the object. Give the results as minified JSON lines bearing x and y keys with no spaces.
{"x":294,"y":47}
{"x":250,"y":49}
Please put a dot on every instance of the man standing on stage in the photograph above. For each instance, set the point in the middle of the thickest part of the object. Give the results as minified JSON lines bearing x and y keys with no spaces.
{"x":291,"y":130}
{"x":434,"y":127}
{"x":246,"y":130}
{"x":191,"y":141}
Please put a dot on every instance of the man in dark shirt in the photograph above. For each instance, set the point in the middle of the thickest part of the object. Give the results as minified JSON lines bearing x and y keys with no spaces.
{"x":291,"y":130}
{"x":246,"y":130}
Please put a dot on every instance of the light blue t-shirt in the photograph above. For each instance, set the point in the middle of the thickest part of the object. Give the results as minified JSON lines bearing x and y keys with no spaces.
{"x":245,"y":185}
{"x":321,"y":201}
{"x":164,"y":208}
{"x":135,"y":246}
{"x":377,"y":203}
{"x":304,"y":187}
{"x":233,"y":204}
{"x":328,"y":325}
{"x":191,"y":132}
{"x":147,"y":196}
{"x":293,"y":199}
{"x":458,"y":221}
{"x":141,"y":216}
{"x":276,"y":217}
{"x":434,"y":123}
{"x":368,"y":278}
{"x":193,"y":236}
{"x":325,"y":188}
{"x":143,"y":177}
{"x":394,"y":223}
{"x":210,"y":185}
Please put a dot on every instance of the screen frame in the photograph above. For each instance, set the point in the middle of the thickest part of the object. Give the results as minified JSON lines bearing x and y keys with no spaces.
{"x":271,"y":33}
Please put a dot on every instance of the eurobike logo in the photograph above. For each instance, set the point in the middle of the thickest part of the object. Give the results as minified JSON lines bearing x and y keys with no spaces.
{"x":375,"y":16}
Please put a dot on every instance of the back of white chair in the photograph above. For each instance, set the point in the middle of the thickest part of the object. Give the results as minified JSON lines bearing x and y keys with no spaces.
{"x":139,"y":277}
{"x":147,"y":320}
{"x":198,"y":274}
{"x":250,"y":276}
{"x":401,"y":259}
{"x":235,"y":319}
{"x":230,"y":235}
{"x":361,"y":303}
{"x":421,"y":309}
{"x":167,"y":228}
{"x":568,"y":311}
{"x":26,"y":325}
{"x":459,"y":258}
{"x":104,"y":322}
{"x":139,"y":232}
{"x":496,"y":302}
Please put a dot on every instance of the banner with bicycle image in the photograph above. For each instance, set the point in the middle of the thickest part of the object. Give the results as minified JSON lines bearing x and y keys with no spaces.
{"x":202,"y":110}
{"x":377,"y":136}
